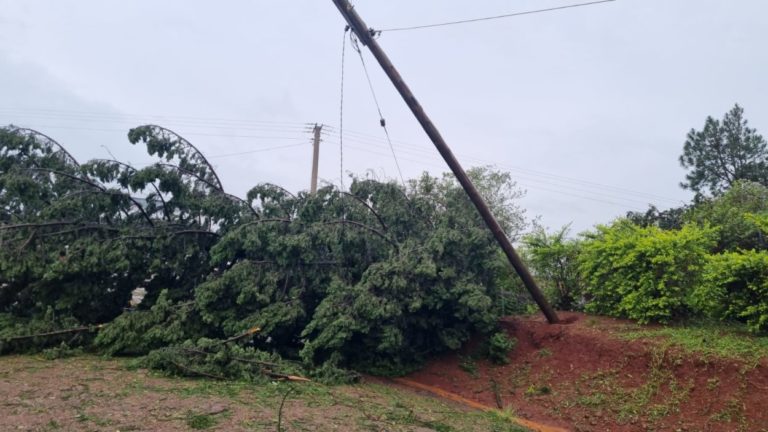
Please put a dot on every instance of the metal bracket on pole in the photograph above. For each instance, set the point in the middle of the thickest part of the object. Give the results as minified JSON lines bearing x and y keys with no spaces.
{"x":363,"y":35}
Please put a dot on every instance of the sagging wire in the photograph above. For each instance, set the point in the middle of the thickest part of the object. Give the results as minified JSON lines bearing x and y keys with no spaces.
{"x":382,"y":120}
{"x":341,"y":111}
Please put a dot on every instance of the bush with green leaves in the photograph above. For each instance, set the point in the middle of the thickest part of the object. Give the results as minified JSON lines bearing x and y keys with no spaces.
{"x":728,"y":213}
{"x":553,"y":258}
{"x":735,"y":284}
{"x":735,"y":287}
{"x":500,"y":344}
{"x":643,"y":273}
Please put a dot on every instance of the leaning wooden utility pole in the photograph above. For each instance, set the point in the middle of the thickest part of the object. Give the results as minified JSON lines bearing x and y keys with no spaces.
{"x":365,"y":36}
{"x":315,"y":155}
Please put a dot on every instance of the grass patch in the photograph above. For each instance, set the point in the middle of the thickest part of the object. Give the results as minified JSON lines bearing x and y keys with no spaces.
{"x":200,"y":421}
{"x":52,"y":425}
{"x":469,"y":366}
{"x":226,"y":389}
{"x":538,"y":390}
{"x":713,"y":383}
{"x":729,"y":341}
{"x":98,"y":421}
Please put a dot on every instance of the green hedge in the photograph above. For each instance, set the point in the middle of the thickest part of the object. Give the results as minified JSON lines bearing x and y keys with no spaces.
{"x":643,"y":273}
{"x":735,"y":287}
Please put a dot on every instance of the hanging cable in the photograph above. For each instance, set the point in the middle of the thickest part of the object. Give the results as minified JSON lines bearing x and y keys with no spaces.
{"x":382,"y":121}
{"x":256,"y":151}
{"x":472,"y":20}
{"x":341,"y":112}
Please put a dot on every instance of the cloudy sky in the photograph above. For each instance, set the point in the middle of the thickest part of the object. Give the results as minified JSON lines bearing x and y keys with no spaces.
{"x":588,"y":108}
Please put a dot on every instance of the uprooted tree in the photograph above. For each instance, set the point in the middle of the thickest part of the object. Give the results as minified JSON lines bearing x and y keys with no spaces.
{"x":375,"y":279}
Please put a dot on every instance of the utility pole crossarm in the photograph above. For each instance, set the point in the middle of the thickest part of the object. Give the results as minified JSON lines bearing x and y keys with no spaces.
{"x":364,"y":34}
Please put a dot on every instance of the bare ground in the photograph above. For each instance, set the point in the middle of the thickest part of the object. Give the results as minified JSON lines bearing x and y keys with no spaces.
{"x":586,"y":375}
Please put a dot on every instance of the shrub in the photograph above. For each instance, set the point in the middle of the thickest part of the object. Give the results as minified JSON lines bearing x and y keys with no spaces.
{"x":735,"y":286}
{"x":499,"y":347}
{"x":727,"y":212}
{"x":643,"y":273}
{"x":554,"y":261}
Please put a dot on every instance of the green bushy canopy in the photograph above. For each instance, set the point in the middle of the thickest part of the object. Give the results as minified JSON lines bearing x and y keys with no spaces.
{"x":643,"y":273}
{"x":375,"y":278}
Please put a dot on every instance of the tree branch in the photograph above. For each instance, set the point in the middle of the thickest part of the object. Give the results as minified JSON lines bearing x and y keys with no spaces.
{"x":366,"y":227}
{"x":361,"y":201}
{"x":199,"y":153}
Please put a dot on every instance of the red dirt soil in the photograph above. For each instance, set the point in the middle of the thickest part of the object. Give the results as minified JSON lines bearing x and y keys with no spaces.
{"x":580,"y":376}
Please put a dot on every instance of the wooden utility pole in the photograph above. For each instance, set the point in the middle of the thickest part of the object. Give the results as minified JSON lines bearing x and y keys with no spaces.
{"x":365,"y":36}
{"x":315,"y":156}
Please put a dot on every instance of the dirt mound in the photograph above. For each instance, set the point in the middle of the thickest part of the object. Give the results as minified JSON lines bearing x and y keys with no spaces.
{"x":581,"y":376}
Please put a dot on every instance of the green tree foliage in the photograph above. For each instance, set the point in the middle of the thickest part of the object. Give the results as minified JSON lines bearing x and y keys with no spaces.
{"x":554,"y":261}
{"x":376,"y":278}
{"x":673,"y":218}
{"x":56,"y":250}
{"x":735,"y":284}
{"x":643,"y":273}
{"x":141,"y":331}
{"x":511,"y":297}
{"x":213,"y":359}
{"x":77,"y":241}
{"x":760,"y":221}
{"x":735,"y":287}
{"x":722,"y":153}
{"x":499,"y":347}
{"x":728,"y":213}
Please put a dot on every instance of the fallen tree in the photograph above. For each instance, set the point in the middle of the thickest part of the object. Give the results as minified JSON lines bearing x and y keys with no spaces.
{"x":377,"y":278}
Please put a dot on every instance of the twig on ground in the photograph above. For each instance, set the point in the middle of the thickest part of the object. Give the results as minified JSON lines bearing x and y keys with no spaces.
{"x":280,"y":411}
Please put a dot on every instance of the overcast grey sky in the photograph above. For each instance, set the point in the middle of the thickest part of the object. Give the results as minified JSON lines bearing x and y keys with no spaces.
{"x":588,"y":108}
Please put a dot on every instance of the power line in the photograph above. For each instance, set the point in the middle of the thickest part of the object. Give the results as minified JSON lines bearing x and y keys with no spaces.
{"x":185,"y":133}
{"x":26,"y":118}
{"x":341,"y":111}
{"x":473,"y":20}
{"x":382,"y":121}
{"x":546,"y":178}
{"x":612,"y":198}
{"x":145,"y":164}
{"x":98,"y":115}
{"x":366,"y":139}
{"x":526,"y":185}
{"x":256,"y":151}
{"x":422,"y":155}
